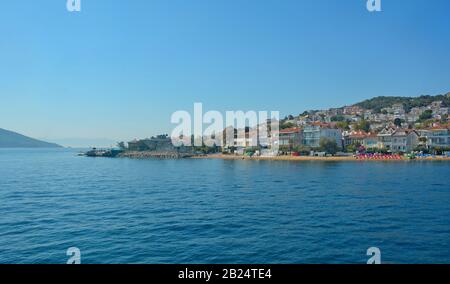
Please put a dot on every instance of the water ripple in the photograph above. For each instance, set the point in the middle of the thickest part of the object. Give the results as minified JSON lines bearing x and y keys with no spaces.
{"x":214,"y":211}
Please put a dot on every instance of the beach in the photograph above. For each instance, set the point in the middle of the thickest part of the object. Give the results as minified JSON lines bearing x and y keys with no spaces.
{"x":310,"y":158}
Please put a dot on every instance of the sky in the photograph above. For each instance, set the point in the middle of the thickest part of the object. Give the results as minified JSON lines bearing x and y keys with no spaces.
{"x":118,"y":69}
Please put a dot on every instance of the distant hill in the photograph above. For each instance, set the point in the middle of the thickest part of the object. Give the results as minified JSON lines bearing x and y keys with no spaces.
{"x":378,"y":103}
{"x":9,"y":139}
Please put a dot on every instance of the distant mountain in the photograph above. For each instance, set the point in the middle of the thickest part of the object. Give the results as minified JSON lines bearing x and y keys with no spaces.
{"x":378,"y":103}
{"x":9,"y":139}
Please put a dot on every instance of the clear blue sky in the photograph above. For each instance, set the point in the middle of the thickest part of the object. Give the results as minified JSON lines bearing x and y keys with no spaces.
{"x":120,"y":68}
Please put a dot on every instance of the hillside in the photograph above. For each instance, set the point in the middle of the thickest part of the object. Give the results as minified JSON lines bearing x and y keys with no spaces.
{"x":378,"y":103}
{"x":9,"y":139}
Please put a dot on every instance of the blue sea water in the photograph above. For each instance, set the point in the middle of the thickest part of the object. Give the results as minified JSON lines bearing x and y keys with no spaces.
{"x":217,"y":211}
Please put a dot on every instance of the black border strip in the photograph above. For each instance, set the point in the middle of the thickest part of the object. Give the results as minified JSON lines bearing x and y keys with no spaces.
{"x":277,"y":272}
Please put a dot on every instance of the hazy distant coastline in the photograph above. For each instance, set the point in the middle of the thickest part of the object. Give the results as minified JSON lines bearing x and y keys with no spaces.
{"x":10,"y":139}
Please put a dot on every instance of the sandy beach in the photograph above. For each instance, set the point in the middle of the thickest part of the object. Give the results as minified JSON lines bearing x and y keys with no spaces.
{"x":309,"y":159}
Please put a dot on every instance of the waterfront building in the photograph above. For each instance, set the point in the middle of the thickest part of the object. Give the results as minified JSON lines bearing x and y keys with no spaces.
{"x":314,"y":132}
{"x":354,"y":137}
{"x":404,"y":140}
{"x":398,"y":140}
{"x":437,"y":136}
{"x":290,"y":138}
{"x":385,"y":138}
{"x":361,"y":138}
{"x":371,"y":141}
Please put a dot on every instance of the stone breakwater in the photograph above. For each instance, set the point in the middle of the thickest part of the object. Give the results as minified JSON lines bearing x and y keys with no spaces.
{"x":154,"y":155}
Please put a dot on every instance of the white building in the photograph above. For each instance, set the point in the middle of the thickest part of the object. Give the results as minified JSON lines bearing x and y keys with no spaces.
{"x":436,"y":137}
{"x":313,"y":133}
{"x":399,"y":140}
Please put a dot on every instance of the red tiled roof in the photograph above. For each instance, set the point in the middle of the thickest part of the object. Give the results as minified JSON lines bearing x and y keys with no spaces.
{"x":439,"y":126}
{"x":362,"y":134}
{"x":324,"y":124}
{"x":371,"y":135}
{"x":290,"y":130}
{"x":357,"y":134}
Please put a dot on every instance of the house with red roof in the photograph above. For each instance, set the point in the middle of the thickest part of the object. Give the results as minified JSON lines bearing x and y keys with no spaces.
{"x":290,"y":138}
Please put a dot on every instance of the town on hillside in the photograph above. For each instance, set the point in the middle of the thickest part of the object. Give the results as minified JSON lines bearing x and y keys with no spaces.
{"x":383,"y":126}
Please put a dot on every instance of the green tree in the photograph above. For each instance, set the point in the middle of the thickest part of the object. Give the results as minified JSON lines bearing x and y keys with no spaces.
{"x":343,"y":125}
{"x":422,"y":148}
{"x":351,"y":148}
{"x":328,"y":145}
{"x":428,"y":114}
{"x":305,"y":113}
{"x":287,"y":125}
{"x":363,"y":125}
{"x":337,"y":118}
{"x":378,"y":103}
{"x":303,"y":150}
{"x":398,"y":122}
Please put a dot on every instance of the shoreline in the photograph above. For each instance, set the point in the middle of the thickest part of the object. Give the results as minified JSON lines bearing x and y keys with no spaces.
{"x":171,"y":155}
{"x":313,"y":159}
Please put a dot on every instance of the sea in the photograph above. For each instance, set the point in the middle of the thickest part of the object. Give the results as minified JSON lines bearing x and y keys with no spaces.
{"x":208,"y":211}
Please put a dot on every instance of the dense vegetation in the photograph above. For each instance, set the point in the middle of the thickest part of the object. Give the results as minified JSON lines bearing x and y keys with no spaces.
{"x":378,"y":103}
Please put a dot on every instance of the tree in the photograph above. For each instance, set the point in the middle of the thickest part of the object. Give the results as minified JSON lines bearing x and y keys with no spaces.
{"x":338,"y":118}
{"x":437,"y":150}
{"x":422,"y":148}
{"x":428,"y":114}
{"x":287,"y":125}
{"x":398,"y":122}
{"x":379,"y":103}
{"x":343,"y":125}
{"x":363,"y":125}
{"x":351,"y":148}
{"x":305,"y":113}
{"x":328,"y":145}
{"x":303,"y":150}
